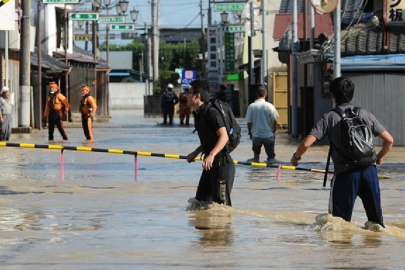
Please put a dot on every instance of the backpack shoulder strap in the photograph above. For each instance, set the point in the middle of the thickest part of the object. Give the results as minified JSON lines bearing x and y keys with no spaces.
{"x":356,"y":110}
{"x":339,"y":111}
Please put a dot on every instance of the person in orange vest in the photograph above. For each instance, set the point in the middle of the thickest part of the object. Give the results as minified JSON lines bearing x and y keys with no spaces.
{"x":184,"y":109}
{"x":56,"y":108}
{"x":88,"y":108}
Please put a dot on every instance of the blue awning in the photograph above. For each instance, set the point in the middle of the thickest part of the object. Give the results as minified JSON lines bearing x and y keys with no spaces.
{"x":373,"y":62}
{"x":117,"y":74}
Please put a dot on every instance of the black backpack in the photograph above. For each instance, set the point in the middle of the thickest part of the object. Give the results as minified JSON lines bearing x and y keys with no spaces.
{"x":232,"y":127}
{"x":356,"y":145}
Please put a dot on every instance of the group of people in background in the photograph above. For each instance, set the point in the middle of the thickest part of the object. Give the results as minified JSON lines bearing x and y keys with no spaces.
{"x":170,"y":100}
{"x":55,"y":113}
{"x":168,"y":104}
{"x":57,"y":107}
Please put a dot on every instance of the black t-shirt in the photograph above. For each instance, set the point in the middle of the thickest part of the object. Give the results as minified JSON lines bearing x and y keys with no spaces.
{"x":208,"y":121}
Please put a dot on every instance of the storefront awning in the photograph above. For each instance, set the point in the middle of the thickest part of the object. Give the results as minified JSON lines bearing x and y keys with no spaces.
{"x":118,"y":74}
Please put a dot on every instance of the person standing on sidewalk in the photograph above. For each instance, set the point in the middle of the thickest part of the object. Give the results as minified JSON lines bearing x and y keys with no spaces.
{"x":5,"y":115}
{"x":261,"y":118}
{"x":218,"y":174}
{"x":350,"y":180}
{"x":55,"y":109}
{"x":88,"y":108}
{"x":169,"y":100}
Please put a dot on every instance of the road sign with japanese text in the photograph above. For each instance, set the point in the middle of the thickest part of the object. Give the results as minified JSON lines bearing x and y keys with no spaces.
{"x":229,"y":6}
{"x":122,"y":27}
{"x":111,"y":19}
{"x":84,"y":16}
{"x":229,"y":52}
{"x":83,"y":37}
{"x":235,"y":28}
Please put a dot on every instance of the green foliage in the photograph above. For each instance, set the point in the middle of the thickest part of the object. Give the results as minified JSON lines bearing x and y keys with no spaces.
{"x":165,"y":77}
{"x":171,"y":56}
{"x":128,"y":80}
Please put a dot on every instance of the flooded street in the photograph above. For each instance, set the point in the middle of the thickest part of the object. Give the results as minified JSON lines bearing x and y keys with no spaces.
{"x":100,"y":218}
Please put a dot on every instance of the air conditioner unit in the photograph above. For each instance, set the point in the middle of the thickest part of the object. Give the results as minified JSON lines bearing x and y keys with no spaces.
{"x":14,"y":40}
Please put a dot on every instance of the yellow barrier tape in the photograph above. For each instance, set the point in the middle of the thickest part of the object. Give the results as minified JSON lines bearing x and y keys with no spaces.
{"x":57,"y":147}
{"x":115,"y":151}
{"x":171,"y":156}
{"x":87,"y":149}
{"x":27,"y":145}
{"x":144,"y":153}
{"x":288,"y":167}
{"x":259,"y":164}
{"x":2,"y":143}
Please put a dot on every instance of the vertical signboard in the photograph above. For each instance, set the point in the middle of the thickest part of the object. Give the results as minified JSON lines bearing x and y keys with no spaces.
{"x":394,"y":12}
{"x":212,"y":49}
{"x":229,"y":52}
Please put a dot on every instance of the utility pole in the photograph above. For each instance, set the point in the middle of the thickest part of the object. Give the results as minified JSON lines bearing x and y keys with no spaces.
{"x":337,"y":61}
{"x":184,"y":53}
{"x":25,"y":67}
{"x":252,"y":34}
{"x":147,"y":66}
{"x":294,"y":110}
{"x":202,"y":39}
{"x":86,"y":43}
{"x":209,"y":13}
{"x":264,"y":58}
{"x":66,"y":57}
{"x":39,"y":48}
{"x":155,"y":39}
{"x":141,"y":68}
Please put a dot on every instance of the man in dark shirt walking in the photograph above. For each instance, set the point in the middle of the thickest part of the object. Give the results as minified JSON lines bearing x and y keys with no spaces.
{"x":218,"y":174}
{"x":349,"y":180}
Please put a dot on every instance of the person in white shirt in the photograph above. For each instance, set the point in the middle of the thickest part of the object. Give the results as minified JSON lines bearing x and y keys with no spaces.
{"x":6,"y":109}
{"x":262,"y":117}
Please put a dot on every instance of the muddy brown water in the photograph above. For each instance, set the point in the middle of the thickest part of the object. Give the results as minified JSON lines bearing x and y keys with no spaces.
{"x":100,"y":218}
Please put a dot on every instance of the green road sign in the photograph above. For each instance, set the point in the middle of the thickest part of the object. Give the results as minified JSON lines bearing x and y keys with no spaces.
{"x":61,"y":1}
{"x":126,"y":26}
{"x":234,"y":29}
{"x":229,"y":6}
{"x":229,"y":52}
{"x":84,"y":16}
{"x":111,"y":19}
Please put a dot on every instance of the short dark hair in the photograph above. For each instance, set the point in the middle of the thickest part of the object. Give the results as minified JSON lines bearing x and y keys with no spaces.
{"x":203,"y":88}
{"x":222,"y":87}
{"x":260,"y":90}
{"x":342,"y":89}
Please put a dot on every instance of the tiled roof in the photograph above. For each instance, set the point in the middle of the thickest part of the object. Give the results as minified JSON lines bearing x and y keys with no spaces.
{"x":323,"y":25}
{"x":349,"y":9}
{"x":367,"y":38}
{"x":48,"y":62}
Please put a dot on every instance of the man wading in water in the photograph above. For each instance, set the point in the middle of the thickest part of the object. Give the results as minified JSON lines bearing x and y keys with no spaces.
{"x":218,"y":174}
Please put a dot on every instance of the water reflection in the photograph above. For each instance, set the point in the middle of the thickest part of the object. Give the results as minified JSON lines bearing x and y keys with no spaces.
{"x":214,"y":227}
